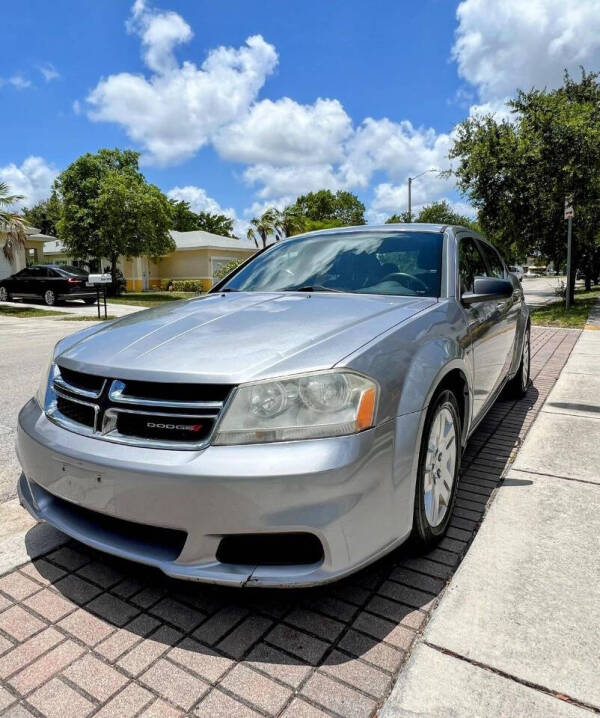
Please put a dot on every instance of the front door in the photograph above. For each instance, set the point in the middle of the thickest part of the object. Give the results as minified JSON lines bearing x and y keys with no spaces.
{"x":487,"y":342}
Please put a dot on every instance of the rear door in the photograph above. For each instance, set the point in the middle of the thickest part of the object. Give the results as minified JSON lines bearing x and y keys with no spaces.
{"x":481,"y":321}
{"x":38,"y":281}
{"x":508,"y":310}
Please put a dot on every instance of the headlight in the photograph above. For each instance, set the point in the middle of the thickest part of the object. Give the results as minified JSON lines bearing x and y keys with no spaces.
{"x":45,"y":395}
{"x":307,"y":406}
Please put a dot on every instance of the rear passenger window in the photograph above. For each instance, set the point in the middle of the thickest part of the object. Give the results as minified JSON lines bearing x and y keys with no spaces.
{"x":494,"y":262}
{"x":470,"y":264}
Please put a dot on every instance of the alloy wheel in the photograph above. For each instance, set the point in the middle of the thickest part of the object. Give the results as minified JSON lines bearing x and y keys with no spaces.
{"x":440,"y":465}
{"x":49,"y":297}
{"x":3,"y":294}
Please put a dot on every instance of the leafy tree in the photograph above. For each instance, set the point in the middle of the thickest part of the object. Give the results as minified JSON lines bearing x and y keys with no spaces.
{"x":517,"y":174}
{"x":313,"y":225}
{"x":263,"y":227}
{"x":11,"y":225}
{"x":183,"y":218}
{"x":401,"y":218}
{"x":44,"y":215}
{"x":442,"y":213}
{"x":215,"y":223}
{"x":324,"y":205}
{"x":186,"y":220}
{"x":108,"y":209}
{"x":291,"y":221}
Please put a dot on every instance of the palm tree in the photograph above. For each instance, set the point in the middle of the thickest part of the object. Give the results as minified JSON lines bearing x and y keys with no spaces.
{"x":291,"y":221}
{"x":264,"y":226}
{"x":11,"y":225}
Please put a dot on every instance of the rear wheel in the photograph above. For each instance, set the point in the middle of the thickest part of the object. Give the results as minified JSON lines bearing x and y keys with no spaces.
{"x":439,"y":465}
{"x":50,"y":297}
{"x":518,"y":385}
{"x":4,"y":294}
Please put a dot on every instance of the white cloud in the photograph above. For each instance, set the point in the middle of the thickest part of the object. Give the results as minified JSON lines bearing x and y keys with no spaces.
{"x":284,"y":132}
{"x":77,"y":107}
{"x":291,"y":180}
{"x":177,"y":110}
{"x":160,"y":32}
{"x":19,"y":81}
{"x":49,"y":72}
{"x":33,"y":179}
{"x":199,"y":200}
{"x":502,"y":46}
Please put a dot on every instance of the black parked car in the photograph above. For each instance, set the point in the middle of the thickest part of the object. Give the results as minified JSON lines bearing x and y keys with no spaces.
{"x":50,"y":282}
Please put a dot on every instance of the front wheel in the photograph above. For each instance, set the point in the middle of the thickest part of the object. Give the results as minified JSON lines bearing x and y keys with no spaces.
{"x":49,"y":298}
{"x":518,"y":385}
{"x":439,"y":466}
{"x":4,"y":294}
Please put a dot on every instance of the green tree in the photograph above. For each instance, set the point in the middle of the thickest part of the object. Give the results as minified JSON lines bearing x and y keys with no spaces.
{"x":401,"y":218}
{"x":517,"y":174}
{"x":108,"y":209}
{"x":442,"y":213}
{"x":44,"y":215}
{"x":183,"y":218}
{"x":11,"y":225}
{"x":263,"y":227}
{"x":215,"y":223}
{"x":291,"y":221}
{"x":324,"y":205}
{"x":224,"y":270}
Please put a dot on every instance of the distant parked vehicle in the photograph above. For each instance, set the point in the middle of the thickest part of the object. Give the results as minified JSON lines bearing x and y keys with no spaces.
{"x":50,"y":282}
{"x":518,"y":270}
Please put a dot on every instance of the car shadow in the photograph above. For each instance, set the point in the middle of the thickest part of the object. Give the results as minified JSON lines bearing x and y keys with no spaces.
{"x":373,"y":615}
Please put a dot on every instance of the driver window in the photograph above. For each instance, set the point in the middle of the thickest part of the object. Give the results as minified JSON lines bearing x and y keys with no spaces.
{"x":470,"y":264}
{"x":494,"y":262}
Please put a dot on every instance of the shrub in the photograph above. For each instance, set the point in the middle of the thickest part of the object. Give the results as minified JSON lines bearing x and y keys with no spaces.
{"x":226,"y":268}
{"x":186,"y":285}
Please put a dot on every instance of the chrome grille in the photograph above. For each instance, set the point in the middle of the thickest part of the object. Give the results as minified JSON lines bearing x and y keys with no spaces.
{"x":152,"y":414}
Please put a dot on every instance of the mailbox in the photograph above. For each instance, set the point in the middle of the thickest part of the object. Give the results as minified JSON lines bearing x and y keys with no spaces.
{"x":99,"y":278}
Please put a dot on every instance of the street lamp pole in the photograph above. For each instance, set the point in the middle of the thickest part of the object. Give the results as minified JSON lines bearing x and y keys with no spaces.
{"x":410,"y":181}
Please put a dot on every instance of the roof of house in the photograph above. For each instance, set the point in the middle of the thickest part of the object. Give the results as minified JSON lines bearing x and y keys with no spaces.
{"x":183,"y":240}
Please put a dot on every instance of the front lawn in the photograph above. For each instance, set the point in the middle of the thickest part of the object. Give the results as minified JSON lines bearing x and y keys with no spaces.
{"x":555,"y":314}
{"x":149,"y":299}
{"x":26,"y":312}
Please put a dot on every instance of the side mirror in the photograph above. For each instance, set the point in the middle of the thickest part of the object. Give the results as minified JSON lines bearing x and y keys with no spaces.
{"x":486,"y":289}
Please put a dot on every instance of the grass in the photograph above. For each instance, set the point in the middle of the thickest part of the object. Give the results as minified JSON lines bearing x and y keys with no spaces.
{"x":27,"y":312}
{"x":555,"y":314}
{"x":149,"y":299}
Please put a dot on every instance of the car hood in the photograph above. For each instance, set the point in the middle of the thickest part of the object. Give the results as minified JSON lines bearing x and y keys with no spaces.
{"x":235,"y":337}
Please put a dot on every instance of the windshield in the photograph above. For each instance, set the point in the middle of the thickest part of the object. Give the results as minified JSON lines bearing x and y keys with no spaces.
{"x":405,"y":264}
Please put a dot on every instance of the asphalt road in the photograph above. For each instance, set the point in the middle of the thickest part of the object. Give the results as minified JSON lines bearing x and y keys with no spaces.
{"x":24,"y":348}
{"x":541,"y":290}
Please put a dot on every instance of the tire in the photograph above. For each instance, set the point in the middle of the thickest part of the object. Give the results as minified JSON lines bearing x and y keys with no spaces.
{"x":49,"y":298}
{"x":437,"y":479}
{"x":91,"y":300}
{"x":4,"y":294}
{"x":518,"y":385}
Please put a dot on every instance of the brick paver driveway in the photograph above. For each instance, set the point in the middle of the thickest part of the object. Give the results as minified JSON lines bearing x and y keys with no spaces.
{"x":81,"y":633}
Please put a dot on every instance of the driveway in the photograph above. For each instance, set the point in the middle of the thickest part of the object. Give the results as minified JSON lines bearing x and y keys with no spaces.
{"x":541,"y":290}
{"x":81,"y":632}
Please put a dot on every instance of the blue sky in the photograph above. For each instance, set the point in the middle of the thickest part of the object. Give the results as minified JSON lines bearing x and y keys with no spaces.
{"x":337,"y":93}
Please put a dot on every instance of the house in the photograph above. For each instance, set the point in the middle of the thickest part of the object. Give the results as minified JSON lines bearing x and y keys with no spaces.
{"x":31,"y":254}
{"x":197,"y":256}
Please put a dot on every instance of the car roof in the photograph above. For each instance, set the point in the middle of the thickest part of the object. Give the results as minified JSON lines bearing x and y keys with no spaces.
{"x":395,"y":227}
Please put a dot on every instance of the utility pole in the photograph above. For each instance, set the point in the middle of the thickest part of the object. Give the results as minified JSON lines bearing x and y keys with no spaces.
{"x":410,"y":181}
{"x":569,"y":218}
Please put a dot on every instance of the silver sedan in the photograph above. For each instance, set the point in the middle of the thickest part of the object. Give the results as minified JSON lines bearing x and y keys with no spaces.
{"x":302,"y":419}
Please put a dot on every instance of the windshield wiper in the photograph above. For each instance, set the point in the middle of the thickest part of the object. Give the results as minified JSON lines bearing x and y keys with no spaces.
{"x":312,"y":288}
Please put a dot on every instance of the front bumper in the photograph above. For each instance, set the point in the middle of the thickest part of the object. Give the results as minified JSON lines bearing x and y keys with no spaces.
{"x":353,"y":493}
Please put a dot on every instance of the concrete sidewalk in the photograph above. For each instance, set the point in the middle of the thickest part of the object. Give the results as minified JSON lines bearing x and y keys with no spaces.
{"x":79,"y":308}
{"x":517,"y":632}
